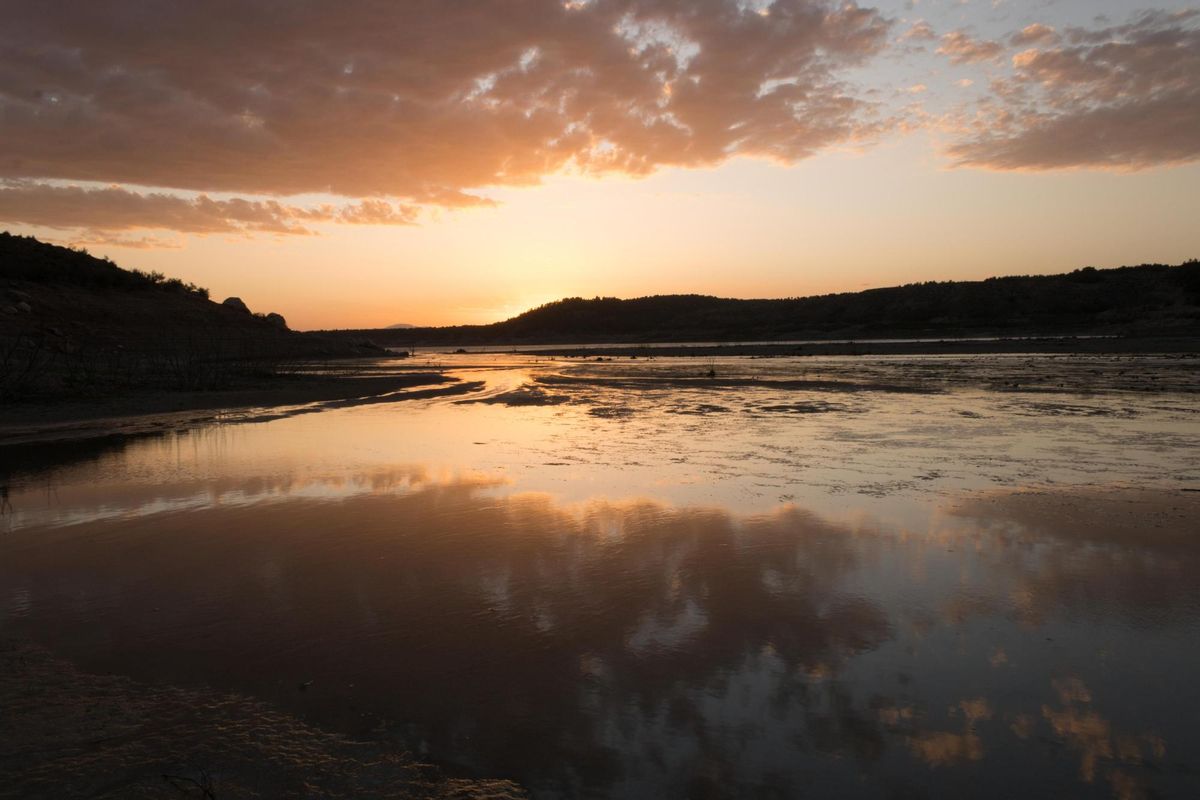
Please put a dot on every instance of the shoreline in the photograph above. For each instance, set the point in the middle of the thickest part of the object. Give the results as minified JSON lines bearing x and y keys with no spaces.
{"x":1057,"y":345}
{"x":122,"y":415}
{"x":76,"y":419}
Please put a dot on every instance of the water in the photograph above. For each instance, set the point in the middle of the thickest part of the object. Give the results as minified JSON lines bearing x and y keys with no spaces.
{"x":838,"y":577}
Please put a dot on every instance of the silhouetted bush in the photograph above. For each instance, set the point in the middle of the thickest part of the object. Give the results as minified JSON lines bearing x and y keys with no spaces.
{"x":25,"y":258}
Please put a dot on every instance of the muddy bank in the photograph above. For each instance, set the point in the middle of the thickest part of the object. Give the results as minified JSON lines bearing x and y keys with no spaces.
{"x":285,"y":396}
{"x":69,"y":734}
{"x":643,"y":382}
{"x":1008,"y":373}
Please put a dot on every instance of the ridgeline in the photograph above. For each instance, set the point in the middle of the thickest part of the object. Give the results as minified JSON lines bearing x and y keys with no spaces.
{"x":72,"y":325}
{"x":1142,"y":301}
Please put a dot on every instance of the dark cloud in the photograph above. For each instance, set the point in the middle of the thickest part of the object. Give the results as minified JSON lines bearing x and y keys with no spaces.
{"x":1124,"y":97}
{"x":422,"y":101}
{"x":114,"y":209}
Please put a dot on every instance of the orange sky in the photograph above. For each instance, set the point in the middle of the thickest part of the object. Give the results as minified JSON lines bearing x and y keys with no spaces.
{"x":425,"y":164}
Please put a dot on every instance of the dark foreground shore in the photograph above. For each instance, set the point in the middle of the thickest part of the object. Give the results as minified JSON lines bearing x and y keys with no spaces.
{"x":141,"y":413}
{"x":69,"y":734}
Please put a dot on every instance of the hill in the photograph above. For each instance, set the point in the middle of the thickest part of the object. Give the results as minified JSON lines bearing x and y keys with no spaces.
{"x":75,"y":325}
{"x":1151,"y":299}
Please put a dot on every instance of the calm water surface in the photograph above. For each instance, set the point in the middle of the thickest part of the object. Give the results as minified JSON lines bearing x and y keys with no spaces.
{"x":868,"y":578}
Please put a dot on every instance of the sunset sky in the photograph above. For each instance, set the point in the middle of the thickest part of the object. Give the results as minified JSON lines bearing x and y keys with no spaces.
{"x":361,"y":163}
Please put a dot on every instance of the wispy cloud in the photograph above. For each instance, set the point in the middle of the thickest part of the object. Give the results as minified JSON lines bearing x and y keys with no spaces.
{"x":962,"y":48}
{"x":920,"y":31}
{"x":1035,"y":33}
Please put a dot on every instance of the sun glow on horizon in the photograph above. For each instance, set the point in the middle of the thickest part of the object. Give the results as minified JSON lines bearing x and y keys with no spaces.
{"x":588,"y":149}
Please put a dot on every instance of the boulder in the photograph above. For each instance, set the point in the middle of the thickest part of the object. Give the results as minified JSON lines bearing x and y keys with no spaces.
{"x":236,"y":304}
{"x":277,"y":320}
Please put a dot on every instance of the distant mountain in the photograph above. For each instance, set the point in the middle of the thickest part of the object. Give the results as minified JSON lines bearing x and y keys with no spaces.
{"x":399,"y":326}
{"x":1151,"y":299}
{"x":73,"y":324}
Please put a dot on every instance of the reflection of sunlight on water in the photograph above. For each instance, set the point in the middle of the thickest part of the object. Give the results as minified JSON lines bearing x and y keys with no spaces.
{"x":888,"y":448}
{"x":132,"y":501}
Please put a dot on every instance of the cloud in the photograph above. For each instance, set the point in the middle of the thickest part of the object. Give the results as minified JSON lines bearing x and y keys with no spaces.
{"x":961,"y":48}
{"x":1034,"y":34}
{"x":376,"y":212}
{"x":423,"y":103}
{"x":920,"y":31}
{"x":1122,"y":97}
{"x":103,"y":211}
{"x":93,"y":238}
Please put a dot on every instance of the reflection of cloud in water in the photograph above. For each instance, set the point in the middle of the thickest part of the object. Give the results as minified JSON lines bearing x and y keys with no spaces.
{"x":636,"y":648}
{"x":940,"y":748}
{"x":514,"y":633}
{"x":1091,"y":553}
{"x":1099,"y":747}
{"x":656,"y":632}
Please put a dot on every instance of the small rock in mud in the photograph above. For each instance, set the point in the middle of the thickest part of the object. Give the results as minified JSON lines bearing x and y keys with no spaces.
{"x":804,"y":408}
{"x":699,"y":409}
{"x":611,"y":412}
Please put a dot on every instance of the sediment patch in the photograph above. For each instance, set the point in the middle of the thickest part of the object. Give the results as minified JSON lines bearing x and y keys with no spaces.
{"x":68,"y":734}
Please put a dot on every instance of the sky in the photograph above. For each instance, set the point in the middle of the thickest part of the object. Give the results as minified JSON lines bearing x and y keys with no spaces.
{"x":362,"y":163}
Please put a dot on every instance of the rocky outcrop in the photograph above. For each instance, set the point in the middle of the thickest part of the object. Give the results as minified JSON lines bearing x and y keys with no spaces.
{"x":277,"y":320}
{"x":236,"y":304}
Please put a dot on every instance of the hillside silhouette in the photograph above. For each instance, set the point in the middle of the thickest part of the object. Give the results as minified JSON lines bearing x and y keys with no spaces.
{"x":75,"y":325}
{"x":1145,"y":300}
